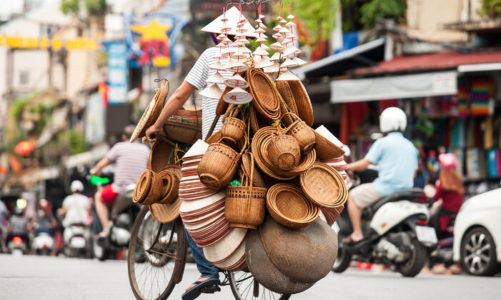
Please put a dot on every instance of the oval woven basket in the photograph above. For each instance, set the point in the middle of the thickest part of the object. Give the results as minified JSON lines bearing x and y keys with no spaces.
{"x":234,"y":129}
{"x":304,"y":134}
{"x":148,"y":189}
{"x":184,"y":127}
{"x":324,"y":186}
{"x":326,"y":149}
{"x":283,"y":152}
{"x":288,"y":206}
{"x":160,"y":155}
{"x":303,"y":103}
{"x":219,"y":165}
{"x":266,"y":97}
{"x":170,"y":187}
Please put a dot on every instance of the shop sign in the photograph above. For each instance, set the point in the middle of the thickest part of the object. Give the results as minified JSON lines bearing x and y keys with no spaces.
{"x":117,"y":72}
{"x":154,"y":43}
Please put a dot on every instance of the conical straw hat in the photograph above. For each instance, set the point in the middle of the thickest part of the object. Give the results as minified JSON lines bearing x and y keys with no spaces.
{"x":216,"y":78}
{"x":217,"y":66}
{"x":237,"y":96}
{"x":272,"y":69}
{"x":288,"y":75}
{"x":275,"y":57}
{"x":237,"y":66}
{"x":264,"y":63}
{"x":260,"y":51}
{"x":277,"y":36}
{"x":290,"y":24}
{"x":288,"y":63}
{"x":291,"y":51}
{"x":236,"y":81}
{"x":277,"y":46}
{"x":298,"y":61}
{"x":212,"y":92}
{"x":233,"y":16}
{"x":277,"y":28}
{"x":261,"y":39}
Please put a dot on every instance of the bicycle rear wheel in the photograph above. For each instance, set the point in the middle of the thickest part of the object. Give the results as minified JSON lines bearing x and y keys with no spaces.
{"x":156,"y":258}
{"x":245,"y":287}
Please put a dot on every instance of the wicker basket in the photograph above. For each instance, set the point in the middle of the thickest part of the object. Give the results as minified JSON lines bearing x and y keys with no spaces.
{"x":184,"y":127}
{"x":160,"y":155}
{"x":303,"y":103}
{"x":148,"y":189}
{"x":304,"y":134}
{"x":283,"y":152}
{"x":245,"y":205}
{"x":234,"y":129}
{"x":324,"y":186}
{"x":245,"y":170}
{"x":170,"y":187}
{"x":288,"y":206}
{"x":219,"y":165}
{"x":265,"y":95}
{"x":326,"y":149}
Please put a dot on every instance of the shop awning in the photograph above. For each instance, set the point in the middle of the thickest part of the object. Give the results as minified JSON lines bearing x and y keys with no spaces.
{"x":364,"y":55}
{"x":448,"y":60}
{"x":394,"y":87}
{"x":480,"y":67}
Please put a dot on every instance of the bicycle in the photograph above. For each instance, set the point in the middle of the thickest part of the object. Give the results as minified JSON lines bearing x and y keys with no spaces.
{"x":159,"y":250}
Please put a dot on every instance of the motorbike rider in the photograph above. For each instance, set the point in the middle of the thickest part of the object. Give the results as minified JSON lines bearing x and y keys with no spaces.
{"x":130,"y":159}
{"x":396,"y":160}
{"x":44,"y":221}
{"x":75,"y":206}
{"x":19,"y":226}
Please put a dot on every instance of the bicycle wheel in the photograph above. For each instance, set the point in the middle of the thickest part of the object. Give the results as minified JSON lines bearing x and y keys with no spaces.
{"x":156,"y":258}
{"x":245,"y":287}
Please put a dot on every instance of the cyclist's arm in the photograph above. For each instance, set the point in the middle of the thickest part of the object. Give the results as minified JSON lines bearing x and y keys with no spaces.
{"x":100,"y":165}
{"x":175,"y":102}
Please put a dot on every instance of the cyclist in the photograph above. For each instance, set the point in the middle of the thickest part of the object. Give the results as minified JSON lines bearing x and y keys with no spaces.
{"x":396,"y":159}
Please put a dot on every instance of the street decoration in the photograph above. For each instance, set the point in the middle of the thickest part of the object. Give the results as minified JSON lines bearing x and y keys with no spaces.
{"x":154,"y":43}
{"x":44,"y":42}
{"x":24,"y":147}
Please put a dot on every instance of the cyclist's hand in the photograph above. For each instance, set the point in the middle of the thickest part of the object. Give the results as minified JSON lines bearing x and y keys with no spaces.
{"x":152,"y":133}
{"x":94,"y":171}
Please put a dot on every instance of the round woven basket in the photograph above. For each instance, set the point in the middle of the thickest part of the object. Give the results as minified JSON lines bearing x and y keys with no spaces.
{"x":302,"y":100}
{"x":219,"y":165}
{"x":148,"y":189}
{"x":288,"y":206}
{"x":324,"y":186}
{"x":287,"y":95}
{"x":245,"y":168}
{"x":265,"y":95}
{"x":151,"y":112}
{"x":245,"y":204}
{"x":326,"y":149}
{"x":283,"y":152}
{"x":165,"y":213}
{"x":160,"y":155}
{"x":170,"y":187}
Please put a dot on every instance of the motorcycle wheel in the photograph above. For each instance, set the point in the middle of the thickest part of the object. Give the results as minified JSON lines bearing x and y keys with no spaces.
{"x":98,"y":252}
{"x":156,"y":257}
{"x":416,"y":261}
{"x":343,"y":260}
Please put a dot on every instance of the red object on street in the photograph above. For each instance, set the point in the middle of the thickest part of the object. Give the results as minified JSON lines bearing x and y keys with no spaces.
{"x":24,"y":147}
{"x":15,"y":165}
{"x":364,"y":266}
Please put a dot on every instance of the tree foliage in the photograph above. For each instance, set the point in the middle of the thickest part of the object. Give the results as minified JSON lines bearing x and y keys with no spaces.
{"x":491,"y":8}
{"x":93,"y":7}
{"x":378,"y":9}
{"x":319,"y":16}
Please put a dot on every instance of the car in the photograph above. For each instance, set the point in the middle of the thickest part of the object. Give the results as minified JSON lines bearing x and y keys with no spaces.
{"x":477,"y":234}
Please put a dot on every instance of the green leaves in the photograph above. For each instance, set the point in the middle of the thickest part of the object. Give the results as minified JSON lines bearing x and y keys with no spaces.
{"x":319,"y":16}
{"x":490,"y":8}
{"x":378,"y":9}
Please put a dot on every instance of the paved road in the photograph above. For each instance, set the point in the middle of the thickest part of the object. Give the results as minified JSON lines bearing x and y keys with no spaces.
{"x":32,"y":277}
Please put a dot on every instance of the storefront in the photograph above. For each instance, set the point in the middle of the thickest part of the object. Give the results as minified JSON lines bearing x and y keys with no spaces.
{"x":452,"y":103}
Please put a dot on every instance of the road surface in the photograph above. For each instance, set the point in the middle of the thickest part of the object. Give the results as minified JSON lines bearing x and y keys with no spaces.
{"x":51,"y":278}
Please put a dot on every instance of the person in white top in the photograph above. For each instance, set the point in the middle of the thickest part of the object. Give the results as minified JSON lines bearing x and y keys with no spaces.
{"x":75,"y":206}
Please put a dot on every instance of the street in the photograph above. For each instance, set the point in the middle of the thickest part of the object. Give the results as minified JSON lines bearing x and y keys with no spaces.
{"x":34,"y":277}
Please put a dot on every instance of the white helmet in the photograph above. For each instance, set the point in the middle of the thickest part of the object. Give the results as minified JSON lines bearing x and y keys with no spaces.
{"x":392,"y":119}
{"x":76,"y":186}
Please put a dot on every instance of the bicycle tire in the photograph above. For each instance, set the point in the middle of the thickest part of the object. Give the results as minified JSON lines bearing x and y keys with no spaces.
{"x":246,"y":293}
{"x":178,"y":258}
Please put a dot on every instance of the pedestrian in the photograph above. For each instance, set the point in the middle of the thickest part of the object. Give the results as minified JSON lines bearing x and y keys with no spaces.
{"x":448,"y":196}
{"x":396,"y":160}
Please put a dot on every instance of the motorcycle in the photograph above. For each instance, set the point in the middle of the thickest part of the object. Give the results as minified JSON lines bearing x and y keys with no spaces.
{"x":42,"y":244}
{"x":76,"y":240}
{"x":122,"y":215}
{"x":395,"y":232}
{"x":16,"y":245}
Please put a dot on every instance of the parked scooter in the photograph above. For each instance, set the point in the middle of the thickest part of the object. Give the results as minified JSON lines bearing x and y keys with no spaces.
{"x":122,"y":218}
{"x":395,"y":232}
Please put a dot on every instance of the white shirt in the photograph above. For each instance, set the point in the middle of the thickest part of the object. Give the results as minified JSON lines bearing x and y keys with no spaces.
{"x":77,"y":206}
{"x":197,"y":77}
